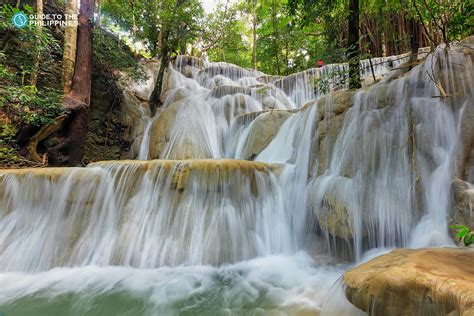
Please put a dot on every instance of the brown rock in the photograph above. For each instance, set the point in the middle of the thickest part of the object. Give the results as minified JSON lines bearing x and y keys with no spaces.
{"x":265,"y":128}
{"x":414,"y":282}
{"x":463,"y":202}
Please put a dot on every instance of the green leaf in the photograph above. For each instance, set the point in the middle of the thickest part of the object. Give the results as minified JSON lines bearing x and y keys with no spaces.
{"x":457,"y":226}
{"x":469,"y":238}
{"x":462,"y":232}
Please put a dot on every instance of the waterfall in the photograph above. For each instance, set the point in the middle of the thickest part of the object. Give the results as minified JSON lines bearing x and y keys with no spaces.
{"x":251,"y":194}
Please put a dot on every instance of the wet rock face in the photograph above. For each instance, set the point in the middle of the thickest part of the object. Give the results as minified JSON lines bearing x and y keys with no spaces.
{"x":463,"y":204}
{"x":134,"y":101}
{"x":161,"y":129}
{"x":414,"y":282}
{"x":359,"y":135}
{"x":264,"y":129}
{"x":334,"y":217}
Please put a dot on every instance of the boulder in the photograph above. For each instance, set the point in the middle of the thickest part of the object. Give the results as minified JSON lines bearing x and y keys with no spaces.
{"x":463,"y":204}
{"x":436,"y":281}
{"x":334,"y":218}
{"x":335,"y":103}
{"x":264,"y":129}
{"x":161,"y":129}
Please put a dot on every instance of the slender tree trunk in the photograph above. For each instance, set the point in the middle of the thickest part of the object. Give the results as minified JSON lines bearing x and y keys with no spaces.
{"x":254,"y":24}
{"x":99,"y":12}
{"x":134,"y":23}
{"x":165,"y":48}
{"x":70,"y":42}
{"x":276,"y":37}
{"x":37,"y":56}
{"x":164,"y":60}
{"x":78,"y":100}
{"x":393,"y":33}
{"x":413,"y":32}
{"x":353,"y":45}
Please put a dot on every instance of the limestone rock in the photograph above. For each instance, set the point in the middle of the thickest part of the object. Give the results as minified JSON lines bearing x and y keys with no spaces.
{"x":134,"y":101}
{"x":335,"y":103}
{"x":268,"y":78}
{"x":414,"y":282}
{"x":77,"y":180}
{"x":265,"y":127}
{"x":334,"y":218}
{"x":463,"y":204}
{"x":161,"y":129}
{"x":220,"y":91}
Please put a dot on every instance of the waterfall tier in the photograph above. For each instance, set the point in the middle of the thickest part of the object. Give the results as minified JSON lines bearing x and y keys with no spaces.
{"x":141,"y":213}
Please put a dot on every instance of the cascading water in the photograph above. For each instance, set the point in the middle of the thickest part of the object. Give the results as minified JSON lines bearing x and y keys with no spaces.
{"x":257,"y":189}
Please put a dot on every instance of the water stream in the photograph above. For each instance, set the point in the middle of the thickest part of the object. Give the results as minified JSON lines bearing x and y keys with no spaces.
{"x":251,"y":208}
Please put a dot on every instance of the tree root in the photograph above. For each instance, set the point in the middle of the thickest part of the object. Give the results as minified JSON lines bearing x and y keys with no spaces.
{"x":41,"y":135}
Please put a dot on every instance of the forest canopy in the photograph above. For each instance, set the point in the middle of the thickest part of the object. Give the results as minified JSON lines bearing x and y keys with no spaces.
{"x":288,"y":36}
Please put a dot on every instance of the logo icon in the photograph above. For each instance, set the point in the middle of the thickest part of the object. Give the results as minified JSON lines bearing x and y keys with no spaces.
{"x":20,"y":20}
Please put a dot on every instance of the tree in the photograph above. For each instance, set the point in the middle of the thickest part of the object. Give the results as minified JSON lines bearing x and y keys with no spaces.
{"x":70,"y":42}
{"x":166,"y":26}
{"x":353,"y":45}
{"x":178,"y":25}
{"x":254,"y":34}
{"x":225,"y":35}
{"x":78,"y":100}
{"x":37,"y":55}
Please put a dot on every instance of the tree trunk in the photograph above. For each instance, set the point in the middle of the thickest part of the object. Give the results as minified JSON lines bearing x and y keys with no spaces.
{"x":353,"y":45}
{"x":414,"y":33}
{"x":164,"y":60}
{"x":254,"y":44}
{"x":70,"y":42}
{"x":78,"y":100}
{"x":165,"y":48}
{"x":39,"y":31}
{"x":99,"y":9}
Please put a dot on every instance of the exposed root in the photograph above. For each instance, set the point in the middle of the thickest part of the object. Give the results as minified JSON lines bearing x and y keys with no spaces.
{"x":42,"y":134}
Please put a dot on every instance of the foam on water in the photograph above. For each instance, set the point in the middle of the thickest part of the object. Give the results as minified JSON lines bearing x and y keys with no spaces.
{"x":275,"y":285}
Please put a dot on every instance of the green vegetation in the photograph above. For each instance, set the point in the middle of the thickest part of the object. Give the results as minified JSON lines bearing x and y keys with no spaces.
{"x":278,"y":37}
{"x":25,"y":108}
{"x":21,"y":104}
{"x":112,"y":57}
{"x":464,"y":234}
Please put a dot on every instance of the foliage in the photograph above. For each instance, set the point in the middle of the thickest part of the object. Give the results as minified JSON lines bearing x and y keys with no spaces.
{"x":292,"y":35}
{"x":111,"y":56}
{"x":30,"y":106}
{"x":22,"y":103}
{"x":450,"y":18}
{"x":226,"y":36}
{"x":7,"y":133}
{"x":145,"y":19}
{"x":464,"y":234}
{"x":28,"y":41}
{"x":334,"y":77}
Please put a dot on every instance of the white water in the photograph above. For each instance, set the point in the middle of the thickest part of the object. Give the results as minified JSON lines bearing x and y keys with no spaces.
{"x":226,"y":237}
